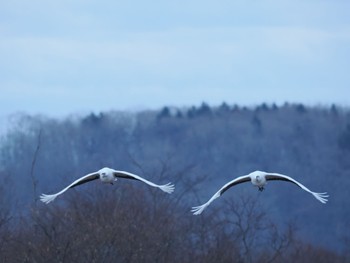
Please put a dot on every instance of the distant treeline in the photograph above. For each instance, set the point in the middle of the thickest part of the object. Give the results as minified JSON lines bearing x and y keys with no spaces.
{"x":199,"y":149}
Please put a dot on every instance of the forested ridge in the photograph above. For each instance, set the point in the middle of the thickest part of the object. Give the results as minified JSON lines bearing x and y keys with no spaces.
{"x":199,"y":149}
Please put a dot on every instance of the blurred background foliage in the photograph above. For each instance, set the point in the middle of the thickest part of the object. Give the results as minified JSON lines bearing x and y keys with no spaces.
{"x":199,"y":149}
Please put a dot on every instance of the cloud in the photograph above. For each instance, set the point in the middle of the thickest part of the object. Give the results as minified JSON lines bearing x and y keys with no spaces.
{"x":185,"y":47}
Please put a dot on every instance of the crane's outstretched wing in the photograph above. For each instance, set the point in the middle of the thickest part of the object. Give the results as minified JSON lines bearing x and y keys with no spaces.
{"x":322,"y":197}
{"x":87,"y":178}
{"x":168,"y":188}
{"x":196,"y":210}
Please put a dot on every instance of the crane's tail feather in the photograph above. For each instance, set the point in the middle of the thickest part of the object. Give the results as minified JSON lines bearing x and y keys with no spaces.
{"x":168,"y":188}
{"x":322,"y":197}
{"x":197,"y":210}
{"x":47,"y":198}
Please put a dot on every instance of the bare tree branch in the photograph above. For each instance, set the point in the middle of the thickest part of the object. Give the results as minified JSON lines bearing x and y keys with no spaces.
{"x":34,"y":180}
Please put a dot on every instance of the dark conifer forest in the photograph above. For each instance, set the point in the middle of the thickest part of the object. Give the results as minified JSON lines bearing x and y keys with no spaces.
{"x":199,"y":149}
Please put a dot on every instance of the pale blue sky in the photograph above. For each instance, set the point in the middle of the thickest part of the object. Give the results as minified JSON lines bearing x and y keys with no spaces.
{"x":63,"y":57}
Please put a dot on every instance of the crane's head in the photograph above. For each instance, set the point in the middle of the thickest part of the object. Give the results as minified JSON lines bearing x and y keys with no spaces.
{"x":258,"y":178}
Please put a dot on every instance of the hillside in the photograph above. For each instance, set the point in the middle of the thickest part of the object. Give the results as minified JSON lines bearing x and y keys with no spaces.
{"x":199,"y":149}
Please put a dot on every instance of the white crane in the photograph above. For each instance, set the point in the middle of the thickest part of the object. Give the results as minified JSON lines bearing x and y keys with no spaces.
{"x":106,"y":175}
{"x":259,"y":179}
